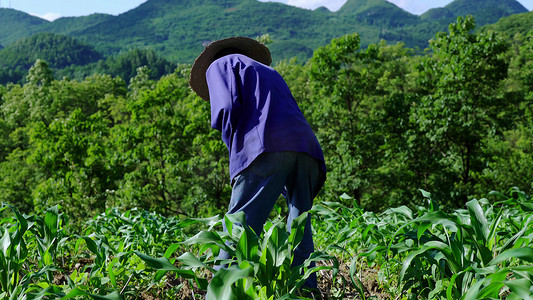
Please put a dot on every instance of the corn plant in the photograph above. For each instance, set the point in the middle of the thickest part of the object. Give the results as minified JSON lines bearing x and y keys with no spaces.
{"x":114,"y":237}
{"x":260,"y":267}
{"x":48,"y":233}
{"x":359,"y":237}
{"x":461,"y":255}
{"x":13,"y":252}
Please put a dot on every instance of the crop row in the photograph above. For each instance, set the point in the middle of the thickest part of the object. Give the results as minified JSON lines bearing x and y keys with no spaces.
{"x":482,"y":251}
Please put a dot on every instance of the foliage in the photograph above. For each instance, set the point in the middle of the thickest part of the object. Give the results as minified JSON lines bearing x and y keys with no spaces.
{"x":386,"y":117}
{"x":482,"y":250}
{"x":461,"y":106}
{"x":134,"y":252}
{"x":456,"y":121}
{"x":478,"y":252}
{"x":360,"y":107}
{"x":57,"y":50}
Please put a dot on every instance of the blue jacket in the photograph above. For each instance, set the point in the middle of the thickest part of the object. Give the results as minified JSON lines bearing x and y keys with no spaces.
{"x":254,"y":109}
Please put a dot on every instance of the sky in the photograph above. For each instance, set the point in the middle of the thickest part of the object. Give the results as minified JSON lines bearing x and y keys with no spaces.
{"x":53,"y":9}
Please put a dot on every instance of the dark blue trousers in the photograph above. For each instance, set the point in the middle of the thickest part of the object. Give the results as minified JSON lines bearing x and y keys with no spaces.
{"x":257,"y":188}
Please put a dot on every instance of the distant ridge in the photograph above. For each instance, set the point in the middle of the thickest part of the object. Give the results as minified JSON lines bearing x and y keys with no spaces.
{"x":485,"y":11}
{"x":178,"y":29}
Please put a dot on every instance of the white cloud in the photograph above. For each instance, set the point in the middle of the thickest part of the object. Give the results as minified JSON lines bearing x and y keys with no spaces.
{"x":332,"y":5}
{"x":48,"y":16}
{"x":419,"y":6}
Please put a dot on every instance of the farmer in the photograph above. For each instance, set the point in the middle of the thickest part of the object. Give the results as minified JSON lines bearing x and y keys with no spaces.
{"x":272,"y":149}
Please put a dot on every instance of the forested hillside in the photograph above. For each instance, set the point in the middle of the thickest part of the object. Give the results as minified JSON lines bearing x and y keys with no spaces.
{"x":177,"y":30}
{"x":485,"y":11}
{"x":455,"y":122}
{"x":58,"y":50}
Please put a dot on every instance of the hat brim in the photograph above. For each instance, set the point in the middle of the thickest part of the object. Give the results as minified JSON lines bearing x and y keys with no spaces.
{"x":247,"y":46}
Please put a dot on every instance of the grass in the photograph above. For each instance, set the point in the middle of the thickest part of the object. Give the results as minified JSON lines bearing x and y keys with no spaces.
{"x":484,"y":250}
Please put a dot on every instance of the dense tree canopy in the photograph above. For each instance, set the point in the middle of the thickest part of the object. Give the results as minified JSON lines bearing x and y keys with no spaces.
{"x":456,"y":121}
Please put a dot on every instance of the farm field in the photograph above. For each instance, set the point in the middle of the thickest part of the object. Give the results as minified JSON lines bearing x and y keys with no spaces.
{"x":484,"y":250}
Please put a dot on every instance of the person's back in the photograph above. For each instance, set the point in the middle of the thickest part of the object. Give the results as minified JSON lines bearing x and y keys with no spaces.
{"x":254,"y":109}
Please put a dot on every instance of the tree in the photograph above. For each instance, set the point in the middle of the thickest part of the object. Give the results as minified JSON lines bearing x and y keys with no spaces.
{"x":461,"y":105}
{"x":511,"y":163}
{"x":360,"y":107}
{"x":171,"y":159}
{"x":72,"y":155}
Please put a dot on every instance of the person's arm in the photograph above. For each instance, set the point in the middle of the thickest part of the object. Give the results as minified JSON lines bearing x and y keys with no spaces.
{"x":224,"y":97}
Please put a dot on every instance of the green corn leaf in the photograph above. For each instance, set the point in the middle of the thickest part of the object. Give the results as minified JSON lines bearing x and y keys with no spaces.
{"x":521,"y":287}
{"x":171,"y":249}
{"x":355,"y":279}
{"x":345,"y":196}
{"x":422,"y":228}
{"x":266,"y":261}
{"x":438,"y":288}
{"x":498,"y":195}
{"x":77,"y":292}
{"x":22,"y":222}
{"x":220,"y":286}
{"x":431,"y":245}
{"x":526,"y":206}
{"x":111,"y":272}
{"x":514,"y":238}
{"x":404,"y":211}
{"x":211,"y":222}
{"x":91,"y":244}
{"x":191,"y":261}
{"x":492,"y":290}
{"x":450,"y":290}
{"x":478,"y":220}
{"x":425,"y":194}
{"x":471,"y":237}
{"x":368,"y":228}
{"x":488,"y":271}
{"x":5,"y":243}
{"x":47,"y":258}
{"x":162,"y":263}
{"x":205,"y":237}
{"x":238,"y":218}
{"x":47,"y":292}
{"x":438,"y":217}
{"x":51,"y":221}
{"x":525,"y":253}
{"x":298,"y":229}
{"x":247,"y":247}
{"x":492,"y":231}
{"x":473,"y":291}
{"x":277,"y":245}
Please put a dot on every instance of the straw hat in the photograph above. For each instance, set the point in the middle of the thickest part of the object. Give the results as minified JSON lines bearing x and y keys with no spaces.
{"x":247,"y":46}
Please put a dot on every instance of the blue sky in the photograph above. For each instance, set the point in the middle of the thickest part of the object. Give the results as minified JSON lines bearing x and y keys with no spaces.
{"x":53,"y":9}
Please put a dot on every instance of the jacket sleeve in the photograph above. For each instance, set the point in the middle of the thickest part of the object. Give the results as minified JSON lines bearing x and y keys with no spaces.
{"x":224,"y":97}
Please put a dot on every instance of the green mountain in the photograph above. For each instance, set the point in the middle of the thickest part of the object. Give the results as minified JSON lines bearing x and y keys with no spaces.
{"x":69,"y":25}
{"x":514,"y":24}
{"x":58,"y":50}
{"x":16,"y":24}
{"x":378,"y":13}
{"x":177,"y":30}
{"x":485,"y":11}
